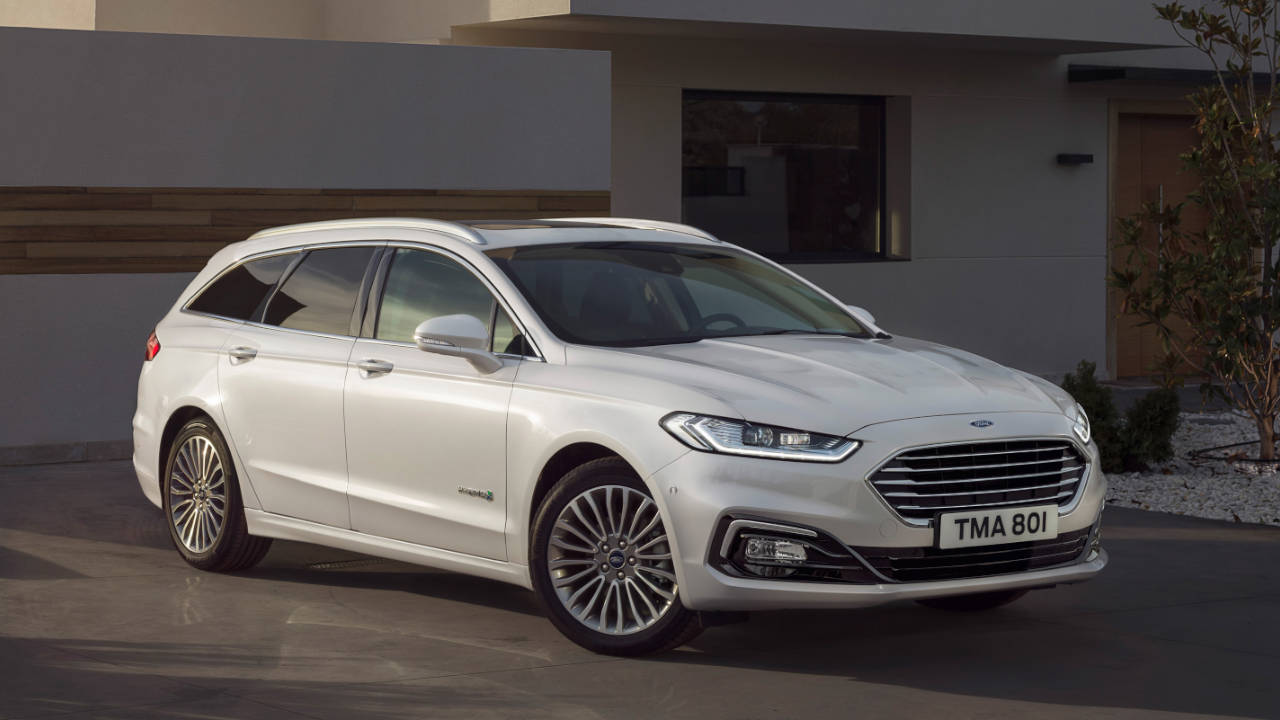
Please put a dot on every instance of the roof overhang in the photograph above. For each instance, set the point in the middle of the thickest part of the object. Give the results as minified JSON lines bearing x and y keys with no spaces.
{"x":1000,"y":25}
{"x":1189,"y":77}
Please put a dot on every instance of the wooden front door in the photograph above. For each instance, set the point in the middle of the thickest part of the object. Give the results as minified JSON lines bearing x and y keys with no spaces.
{"x":1148,"y":169}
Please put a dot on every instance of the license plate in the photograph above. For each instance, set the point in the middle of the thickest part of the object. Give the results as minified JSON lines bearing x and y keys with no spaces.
{"x":996,"y":527}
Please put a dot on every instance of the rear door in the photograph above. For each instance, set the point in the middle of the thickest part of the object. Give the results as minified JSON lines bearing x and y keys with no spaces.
{"x":426,"y":433}
{"x":281,"y":381}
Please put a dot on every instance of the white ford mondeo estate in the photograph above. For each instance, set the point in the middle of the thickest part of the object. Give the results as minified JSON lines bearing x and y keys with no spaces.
{"x":648,"y":427}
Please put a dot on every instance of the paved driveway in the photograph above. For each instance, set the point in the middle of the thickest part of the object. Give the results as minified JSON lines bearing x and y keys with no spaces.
{"x":98,"y":616}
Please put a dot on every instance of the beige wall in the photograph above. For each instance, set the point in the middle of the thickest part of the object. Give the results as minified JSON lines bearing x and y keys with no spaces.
{"x":422,"y":21}
{"x":253,"y":18}
{"x":66,"y":14}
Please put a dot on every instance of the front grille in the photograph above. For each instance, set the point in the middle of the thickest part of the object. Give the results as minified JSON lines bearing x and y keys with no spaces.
{"x":924,"y":564}
{"x":920,"y":483}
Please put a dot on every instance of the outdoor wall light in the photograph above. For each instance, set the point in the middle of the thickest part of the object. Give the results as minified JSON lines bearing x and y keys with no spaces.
{"x":1075,"y":158}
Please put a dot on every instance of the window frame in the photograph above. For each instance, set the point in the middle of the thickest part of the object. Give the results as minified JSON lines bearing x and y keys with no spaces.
{"x":300,"y":251}
{"x":303,"y":252}
{"x":373,"y":308}
{"x":369,"y":302}
{"x":823,"y":257}
{"x":186,"y":307}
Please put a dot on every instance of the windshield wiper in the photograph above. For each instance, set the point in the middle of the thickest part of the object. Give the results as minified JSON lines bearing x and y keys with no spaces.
{"x":794,"y":331}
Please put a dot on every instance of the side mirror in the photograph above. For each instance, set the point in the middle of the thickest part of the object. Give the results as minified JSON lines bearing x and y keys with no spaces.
{"x":866,"y":318}
{"x":461,"y":336}
{"x":862,"y":315}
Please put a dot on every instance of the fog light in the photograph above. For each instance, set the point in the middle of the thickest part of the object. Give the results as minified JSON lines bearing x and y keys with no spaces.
{"x":774,"y":551}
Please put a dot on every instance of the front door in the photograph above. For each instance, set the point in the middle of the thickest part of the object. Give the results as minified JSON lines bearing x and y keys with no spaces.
{"x":426,"y":433}
{"x":1149,"y":170}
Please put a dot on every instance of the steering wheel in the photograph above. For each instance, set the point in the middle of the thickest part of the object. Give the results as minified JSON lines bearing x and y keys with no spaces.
{"x":721,"y":317}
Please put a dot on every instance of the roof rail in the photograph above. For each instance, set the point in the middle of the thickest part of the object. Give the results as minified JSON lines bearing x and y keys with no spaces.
{"x":640,"y":224}
{"x":462,"y":232}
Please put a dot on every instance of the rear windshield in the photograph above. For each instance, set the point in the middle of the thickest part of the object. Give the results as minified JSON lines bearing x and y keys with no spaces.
{"x":630,"y":294}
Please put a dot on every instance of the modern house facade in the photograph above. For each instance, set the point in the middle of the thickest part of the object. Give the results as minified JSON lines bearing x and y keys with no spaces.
{"x":953,"y":167}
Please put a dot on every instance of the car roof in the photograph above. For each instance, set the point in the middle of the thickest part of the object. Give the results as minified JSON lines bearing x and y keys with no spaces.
{"x":487,"y":234}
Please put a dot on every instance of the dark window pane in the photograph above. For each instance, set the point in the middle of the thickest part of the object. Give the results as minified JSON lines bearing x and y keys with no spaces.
{"x":240,"y":291}
{"x":423,"y":285}
{"x":506,"y":336}
{"x":789,"y":176}
{"x":321,"y":294}
{"x":618,"y":294}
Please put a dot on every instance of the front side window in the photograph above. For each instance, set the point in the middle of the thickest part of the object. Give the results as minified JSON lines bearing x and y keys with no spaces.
{"x":797,"y":178}
{"x":240,"y":292}
{"x":628,"y":294}
{"x":422,"y":285}
{"x":320,"y":296}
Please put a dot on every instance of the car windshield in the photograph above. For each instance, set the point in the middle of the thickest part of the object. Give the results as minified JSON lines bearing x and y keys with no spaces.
{"x":631,"y":294}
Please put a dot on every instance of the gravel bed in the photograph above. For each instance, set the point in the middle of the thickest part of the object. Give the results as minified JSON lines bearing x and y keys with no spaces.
{"x":1217,"y":489}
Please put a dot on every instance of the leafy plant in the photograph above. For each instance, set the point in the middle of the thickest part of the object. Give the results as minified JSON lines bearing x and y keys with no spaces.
{"x":1127,"y":444}
{"x":1211,"y":294}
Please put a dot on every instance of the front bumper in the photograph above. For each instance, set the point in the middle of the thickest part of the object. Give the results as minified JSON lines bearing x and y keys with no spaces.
{"x":699,"y":490}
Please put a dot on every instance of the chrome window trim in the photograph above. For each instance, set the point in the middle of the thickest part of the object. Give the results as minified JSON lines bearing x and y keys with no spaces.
{"x":410,"y":244}
{"x":1071,"y":505}
{"x":292,"y":249}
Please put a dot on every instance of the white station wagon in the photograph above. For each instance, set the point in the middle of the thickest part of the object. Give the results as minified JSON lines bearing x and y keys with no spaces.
{"x":650,"y":428}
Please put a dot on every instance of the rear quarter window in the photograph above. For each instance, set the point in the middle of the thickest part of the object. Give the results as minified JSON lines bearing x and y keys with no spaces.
{"x":240,"y":292}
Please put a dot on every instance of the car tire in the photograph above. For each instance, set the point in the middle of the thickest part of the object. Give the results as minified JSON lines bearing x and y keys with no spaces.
{"x":974,"y":602}
{"x":202,"y":506}
{"x":582,"y":588}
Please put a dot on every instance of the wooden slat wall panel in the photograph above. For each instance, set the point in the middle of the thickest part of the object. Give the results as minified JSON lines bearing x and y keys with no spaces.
{"x":93,"y":230}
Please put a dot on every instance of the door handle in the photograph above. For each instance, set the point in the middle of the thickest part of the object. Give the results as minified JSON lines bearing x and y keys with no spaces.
{"x":371,"y":368}
{"x":242,"y":353}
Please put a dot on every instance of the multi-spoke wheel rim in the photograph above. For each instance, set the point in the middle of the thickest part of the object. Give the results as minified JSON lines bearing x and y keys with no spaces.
{"x":610,"y":561}
{"x":197,"y":494}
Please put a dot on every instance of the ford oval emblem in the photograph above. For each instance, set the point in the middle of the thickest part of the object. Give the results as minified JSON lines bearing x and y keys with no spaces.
{"x":982,"y":423}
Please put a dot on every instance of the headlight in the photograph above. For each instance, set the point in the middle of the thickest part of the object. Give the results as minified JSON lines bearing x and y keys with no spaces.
{"x":738,"y":437}
{"x":1081,"y":426}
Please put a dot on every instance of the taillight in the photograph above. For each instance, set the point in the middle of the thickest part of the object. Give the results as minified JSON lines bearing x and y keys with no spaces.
{"x":153,"y":346}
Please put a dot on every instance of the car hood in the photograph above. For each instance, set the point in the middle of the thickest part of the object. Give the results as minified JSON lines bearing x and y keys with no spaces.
{"x":837,"y":385}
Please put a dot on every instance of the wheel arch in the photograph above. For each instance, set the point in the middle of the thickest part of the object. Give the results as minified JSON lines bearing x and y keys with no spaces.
{"x":177,"y":419}
{"x":573,"y":450}
{"x":560,"y":464}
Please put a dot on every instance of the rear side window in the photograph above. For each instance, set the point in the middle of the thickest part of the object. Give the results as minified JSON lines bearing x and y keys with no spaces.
{"x":240,"y":292}
{"x":320,"y":296}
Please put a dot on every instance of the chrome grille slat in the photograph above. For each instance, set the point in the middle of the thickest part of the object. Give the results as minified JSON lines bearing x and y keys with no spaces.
{"x":985,"y":492}
{"x":938,"y":475}
{"x":908,"y":455}
{"x":918,"y":483}
{"x":1023,"y":501}
{"x":1060,"y":458}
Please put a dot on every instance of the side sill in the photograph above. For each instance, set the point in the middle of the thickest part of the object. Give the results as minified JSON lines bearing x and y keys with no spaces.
{"x":286,"y":528}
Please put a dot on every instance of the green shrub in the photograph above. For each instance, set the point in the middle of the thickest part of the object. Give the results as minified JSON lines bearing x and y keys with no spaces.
{"x":1144,"y":435}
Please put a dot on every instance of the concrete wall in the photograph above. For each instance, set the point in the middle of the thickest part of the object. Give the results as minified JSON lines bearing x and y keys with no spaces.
{"x":118,"y":109}
{"x":1007,"y":249}
{"x":73,"y":351}
{"x":157,"y":110}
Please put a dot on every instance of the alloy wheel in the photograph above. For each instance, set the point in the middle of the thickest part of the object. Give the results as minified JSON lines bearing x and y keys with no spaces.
{"x":610,"y":560}
{"x":197,"y":494}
